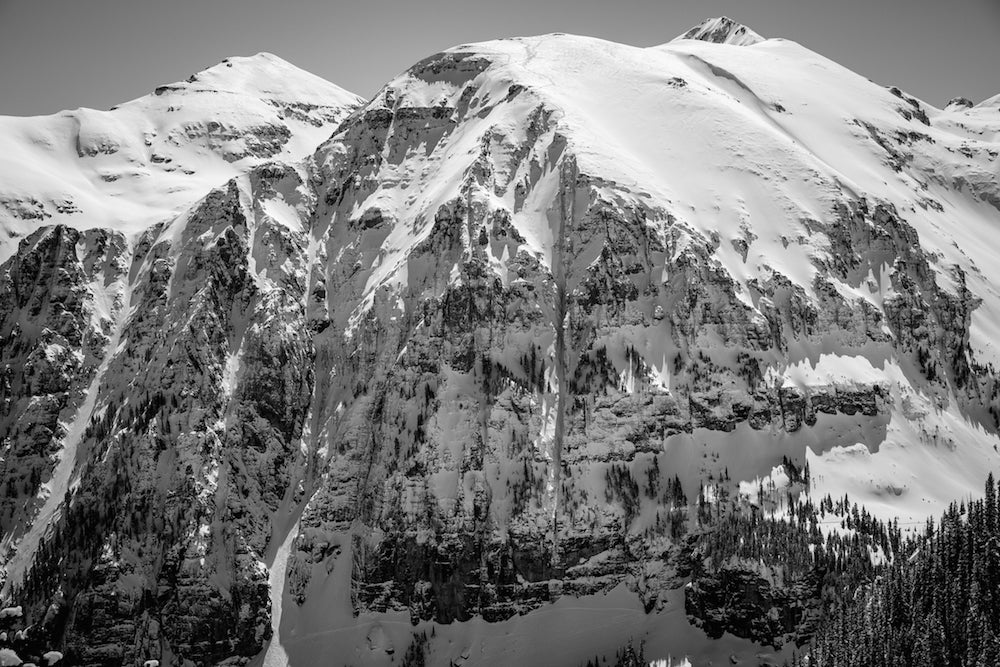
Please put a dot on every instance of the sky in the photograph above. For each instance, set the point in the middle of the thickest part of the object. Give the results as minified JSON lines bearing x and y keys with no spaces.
{"x":63,"y":54}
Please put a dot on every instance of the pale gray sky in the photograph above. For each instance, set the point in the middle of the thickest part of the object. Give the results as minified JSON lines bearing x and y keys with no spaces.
{"x":57,"y":54}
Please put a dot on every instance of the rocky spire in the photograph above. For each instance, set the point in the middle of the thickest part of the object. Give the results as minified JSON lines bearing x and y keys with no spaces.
{"x":723,"y":30}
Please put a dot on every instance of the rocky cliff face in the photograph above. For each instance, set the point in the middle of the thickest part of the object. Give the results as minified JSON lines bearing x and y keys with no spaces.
{"x":155,"y":389}
{"x":490,"y":346}
{"x":536,"y":345}
{"x":189,"y":446}
{"x":62,"y":295}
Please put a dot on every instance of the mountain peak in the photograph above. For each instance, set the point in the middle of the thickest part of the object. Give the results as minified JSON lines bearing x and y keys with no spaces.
{"x":722,"y":30}
{"x":267,"y":76}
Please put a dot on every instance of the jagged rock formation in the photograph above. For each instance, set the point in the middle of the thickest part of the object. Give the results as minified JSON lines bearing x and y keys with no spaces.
{"x":723,"y":30}
{"x":490,"y":341}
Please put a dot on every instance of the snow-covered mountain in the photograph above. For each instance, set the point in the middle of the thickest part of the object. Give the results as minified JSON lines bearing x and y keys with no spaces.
{"x":456,"y":382}
{"x":147,"y":160}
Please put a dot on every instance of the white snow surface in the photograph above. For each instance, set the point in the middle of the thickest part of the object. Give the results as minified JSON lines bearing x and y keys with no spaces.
{"x":144,"y":161}
{"x":275,"y":655}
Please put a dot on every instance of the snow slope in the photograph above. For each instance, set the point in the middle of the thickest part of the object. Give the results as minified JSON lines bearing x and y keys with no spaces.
{"x":144,"y":161}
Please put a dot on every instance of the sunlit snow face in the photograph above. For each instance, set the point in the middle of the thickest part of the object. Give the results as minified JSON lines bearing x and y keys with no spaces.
{"x":146,"y":160}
